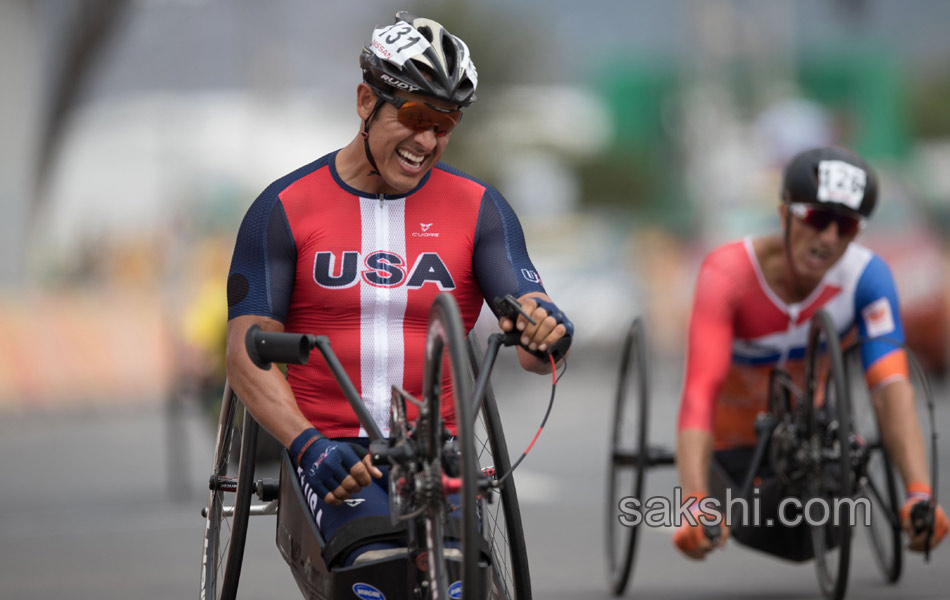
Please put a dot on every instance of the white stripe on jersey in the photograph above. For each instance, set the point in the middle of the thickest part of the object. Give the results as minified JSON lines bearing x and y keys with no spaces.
{"x":381,"y":310}
{"x":788,"y":336}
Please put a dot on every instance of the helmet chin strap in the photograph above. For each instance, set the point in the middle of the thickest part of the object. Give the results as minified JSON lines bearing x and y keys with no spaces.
{"x":365,"y":134}
{"x":788,"y":246}
{"x":796,"y":280}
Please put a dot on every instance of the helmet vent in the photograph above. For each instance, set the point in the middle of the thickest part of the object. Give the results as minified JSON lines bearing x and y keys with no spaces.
{"x":451,"y":55}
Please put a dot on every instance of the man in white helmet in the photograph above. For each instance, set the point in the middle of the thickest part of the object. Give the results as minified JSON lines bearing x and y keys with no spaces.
{"x":356,"y":245}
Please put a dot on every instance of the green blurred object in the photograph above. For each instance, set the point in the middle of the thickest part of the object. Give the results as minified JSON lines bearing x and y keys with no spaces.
{"x":865,"y":83}
{"x":636,"y":94}
{"x":635,"y":172}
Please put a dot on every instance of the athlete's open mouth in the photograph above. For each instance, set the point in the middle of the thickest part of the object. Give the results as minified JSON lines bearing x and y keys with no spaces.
{"x":411,"y":160}
{"x":818,"y":258}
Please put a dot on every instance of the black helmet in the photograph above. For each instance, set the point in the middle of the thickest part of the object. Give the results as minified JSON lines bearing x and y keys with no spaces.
{"x":833,"y":178}
{"x":418,"y":55}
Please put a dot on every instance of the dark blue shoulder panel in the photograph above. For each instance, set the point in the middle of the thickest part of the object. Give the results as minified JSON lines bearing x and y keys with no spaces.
{"x":500,"y":260}
{"x":263,"y":267}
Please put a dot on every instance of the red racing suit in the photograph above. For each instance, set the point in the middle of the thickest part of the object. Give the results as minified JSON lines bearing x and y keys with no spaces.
{"x":363,"y":270}
{"x":740,"y":329}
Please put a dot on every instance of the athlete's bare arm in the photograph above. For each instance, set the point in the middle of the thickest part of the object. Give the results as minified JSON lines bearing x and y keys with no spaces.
{"x":265,"y":393}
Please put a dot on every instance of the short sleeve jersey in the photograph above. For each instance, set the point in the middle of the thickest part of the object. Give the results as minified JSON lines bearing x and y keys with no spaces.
{"x":740,"y":330}
{"x":363,"y":270}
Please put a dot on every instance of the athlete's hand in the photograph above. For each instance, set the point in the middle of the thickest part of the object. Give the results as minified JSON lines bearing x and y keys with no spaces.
{"x":550,"y":323}
{"x":332,"y":469}
{"x":694,"y":540}
{"x":920,"y":494}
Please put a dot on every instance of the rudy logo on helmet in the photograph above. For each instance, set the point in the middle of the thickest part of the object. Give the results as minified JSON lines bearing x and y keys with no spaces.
{"x":402,"y":85}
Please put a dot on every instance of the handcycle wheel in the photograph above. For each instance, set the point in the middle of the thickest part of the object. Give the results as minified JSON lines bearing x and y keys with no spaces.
{"x":628,"y":456}
{"x":884,"y":530}
{"x":501,"y":520}
{"x":446,"y":337}
{"x":879,"y":486}
{"x":827,"y":410}
{"x":232,"y":478}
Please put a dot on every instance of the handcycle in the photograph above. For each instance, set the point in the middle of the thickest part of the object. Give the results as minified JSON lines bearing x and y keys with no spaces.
{"x":808,"y":439}
{"x":453,"y":500}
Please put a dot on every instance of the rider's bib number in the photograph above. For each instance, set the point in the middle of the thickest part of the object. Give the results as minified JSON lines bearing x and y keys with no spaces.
{"x":398,"y":43}
{"x":841,"y":183}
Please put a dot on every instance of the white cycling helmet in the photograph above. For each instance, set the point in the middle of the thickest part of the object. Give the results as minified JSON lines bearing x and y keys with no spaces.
{"x":419,"y":56}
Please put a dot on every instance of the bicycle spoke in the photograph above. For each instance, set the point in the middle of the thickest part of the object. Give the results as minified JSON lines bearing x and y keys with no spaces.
{"x":225,"y":526}
{"x":500,"y":521}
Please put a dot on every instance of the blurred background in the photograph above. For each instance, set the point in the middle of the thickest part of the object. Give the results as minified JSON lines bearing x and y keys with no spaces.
{"x":630,"y":137}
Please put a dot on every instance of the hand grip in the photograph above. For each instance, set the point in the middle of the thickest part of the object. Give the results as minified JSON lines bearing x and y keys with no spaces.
{"x":265,"y":347}
{"x":922,"y":517}
{"x":559,"y":348}
{"x":509,"y":307}
{"x":713,"y":532}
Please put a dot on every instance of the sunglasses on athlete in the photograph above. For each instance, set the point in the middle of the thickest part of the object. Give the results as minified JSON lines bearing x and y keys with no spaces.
{"x":819,"y":219}
{"x":422,"y":116}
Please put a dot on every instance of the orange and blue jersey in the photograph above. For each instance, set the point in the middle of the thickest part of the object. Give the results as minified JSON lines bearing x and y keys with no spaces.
{"x":322,"y":257}
{"x":740,"y":330}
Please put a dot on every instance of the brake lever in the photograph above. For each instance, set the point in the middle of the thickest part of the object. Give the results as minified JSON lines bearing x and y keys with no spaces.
{"x":510,"y":307}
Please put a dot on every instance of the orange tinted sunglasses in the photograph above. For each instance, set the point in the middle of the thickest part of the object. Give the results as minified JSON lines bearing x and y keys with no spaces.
{"x":422,"y":116}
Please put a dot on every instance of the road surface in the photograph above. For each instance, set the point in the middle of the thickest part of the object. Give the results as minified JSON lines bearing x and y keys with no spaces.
{"x":87,"y":510}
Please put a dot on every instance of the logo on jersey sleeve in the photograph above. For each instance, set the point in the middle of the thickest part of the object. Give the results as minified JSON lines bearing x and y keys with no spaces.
{"x":382,"y":269}
{"x":531,"y":275}
{"x":878,"y":318}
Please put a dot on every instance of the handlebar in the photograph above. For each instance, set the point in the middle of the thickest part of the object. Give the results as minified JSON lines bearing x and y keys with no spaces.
{"x":266,"y":347}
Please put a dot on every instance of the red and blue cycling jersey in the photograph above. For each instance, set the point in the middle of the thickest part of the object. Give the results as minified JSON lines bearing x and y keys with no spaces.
{"x":740,"y":330}
{"x":322,"y":257}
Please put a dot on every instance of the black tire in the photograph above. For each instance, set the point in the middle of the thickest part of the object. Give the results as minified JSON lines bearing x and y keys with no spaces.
{"x":628,"y":456}
{"x":445,"y":336}
{"x":501,"y":520}
{"x":225,"y":522}
{"x":878,"y":485}
{"x":884,"y":531}
{"x":831,"y":472}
